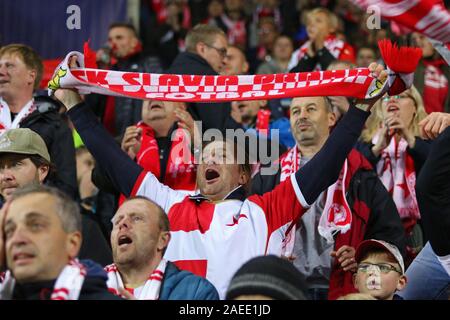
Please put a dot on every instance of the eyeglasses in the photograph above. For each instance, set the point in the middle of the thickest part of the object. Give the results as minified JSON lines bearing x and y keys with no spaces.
{"x":397,"y":97}
{"x":384,"y":267}
{"x":221,"y":51}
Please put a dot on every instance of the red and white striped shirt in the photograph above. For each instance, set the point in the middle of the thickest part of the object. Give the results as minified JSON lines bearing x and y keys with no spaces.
{"x":214,"y":239}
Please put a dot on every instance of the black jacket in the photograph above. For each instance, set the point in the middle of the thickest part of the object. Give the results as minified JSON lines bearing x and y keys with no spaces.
{"x":212,"y":115}
{"x":48,"y":123}
{"x":94,"y":286}
{"x":323,"y":57}
{"x":127,"y":111}
{"x":433,"y":194}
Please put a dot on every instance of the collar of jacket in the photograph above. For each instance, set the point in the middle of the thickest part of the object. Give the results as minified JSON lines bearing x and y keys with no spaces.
{"x":191,"y":64}
{"x":237,"y":194}
{"x":40,"y":290}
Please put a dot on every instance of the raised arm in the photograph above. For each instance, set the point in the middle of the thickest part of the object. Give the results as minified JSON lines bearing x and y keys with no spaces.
{"x":123,"y":171}
{"x":324,"y":168}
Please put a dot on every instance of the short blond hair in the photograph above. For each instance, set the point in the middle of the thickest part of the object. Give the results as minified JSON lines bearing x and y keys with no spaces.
{"x":375,"y":120}
{"x":332,"y":18}
{"x":29,"y":57}
{"x":202,"y":33}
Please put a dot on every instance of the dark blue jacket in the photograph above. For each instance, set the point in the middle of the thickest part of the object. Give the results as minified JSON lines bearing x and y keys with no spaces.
{"x":184,"y":285}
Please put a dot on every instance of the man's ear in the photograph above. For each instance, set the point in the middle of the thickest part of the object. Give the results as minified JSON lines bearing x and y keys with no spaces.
{"x":73,"y":244}
{"x":402,"y":282}
{"x":43,"y":172}
{"x":245,"y":67}
{"x":355,"y":281}
{"x":163,"y":241}
{"x":32,"y":74}
{"x":244,"y":176}
{"x":200,"y":49}
{"x":331,"y":119}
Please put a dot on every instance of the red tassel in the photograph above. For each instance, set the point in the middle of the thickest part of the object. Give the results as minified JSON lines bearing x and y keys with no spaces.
{"x":90,"y":57}
{"x":399,"y":60}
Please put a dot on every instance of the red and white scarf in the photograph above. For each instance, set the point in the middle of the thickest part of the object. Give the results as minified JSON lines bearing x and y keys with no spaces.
{"x":5,"y":115}
{"x":149,"y":291}
{"x":338,"y":48}
{"x":397,"y":173}
{"x":429,"y":17}
{"x":180,"y":170}
{"x":358,"y":83}
{"x":336,"y":215}
{"x":236,"y":31}
{"x":67,"y":286}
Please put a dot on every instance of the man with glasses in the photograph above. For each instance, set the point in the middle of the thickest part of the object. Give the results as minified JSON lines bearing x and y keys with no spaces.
{"x":381,"y":270}
{"x":206,"y":51}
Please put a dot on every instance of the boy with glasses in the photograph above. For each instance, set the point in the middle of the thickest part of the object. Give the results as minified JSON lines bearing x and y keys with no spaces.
{"x":381,"y":270}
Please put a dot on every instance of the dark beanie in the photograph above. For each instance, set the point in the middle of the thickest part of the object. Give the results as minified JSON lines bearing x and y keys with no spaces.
{"x":270,"y":276}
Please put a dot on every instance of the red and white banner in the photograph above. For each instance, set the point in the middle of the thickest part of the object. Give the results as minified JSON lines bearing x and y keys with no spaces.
{"x":358,"y":83}
{"x":429,"y":17}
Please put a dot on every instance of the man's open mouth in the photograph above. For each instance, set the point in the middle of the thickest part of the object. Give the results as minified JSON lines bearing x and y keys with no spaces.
{"x":156,"y":107}
{"x":123,"y":240}
{"x":211,"y":174}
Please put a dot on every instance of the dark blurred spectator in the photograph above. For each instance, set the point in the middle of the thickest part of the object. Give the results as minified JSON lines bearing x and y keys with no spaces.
{"x":117,"y":113}
{"x":235,"y":63}
{"x":322,"y":47}
{"x":431,"y":76}
{"x":233,"y":22}
{"x":278,"y":62}
{"x":164,"y":35}
{"x":429,"y":273}
{"x":267,"y":33}
{"x":206,"y":51}
{"x":20,"y":74}
{"x":365,"y":56}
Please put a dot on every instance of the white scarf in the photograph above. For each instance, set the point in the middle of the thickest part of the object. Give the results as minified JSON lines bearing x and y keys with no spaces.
{"x":67,"y":286}
{"x":336,"y":215}
{"x":397,"y":173}
{"x":149,"y":291}
{"x":5,"y":115}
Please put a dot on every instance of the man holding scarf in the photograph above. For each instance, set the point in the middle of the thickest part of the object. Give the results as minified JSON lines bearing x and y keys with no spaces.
{"x":327,"y":265}
{"x":221,"y":226}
